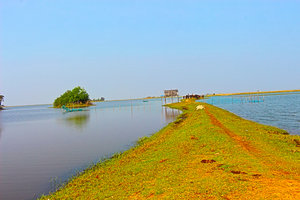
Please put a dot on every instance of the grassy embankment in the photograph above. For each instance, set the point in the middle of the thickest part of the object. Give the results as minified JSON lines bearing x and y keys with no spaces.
{"x":205,"y":154}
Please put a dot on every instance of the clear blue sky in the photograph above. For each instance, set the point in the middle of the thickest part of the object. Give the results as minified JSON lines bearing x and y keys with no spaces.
{"x":127,"y":49}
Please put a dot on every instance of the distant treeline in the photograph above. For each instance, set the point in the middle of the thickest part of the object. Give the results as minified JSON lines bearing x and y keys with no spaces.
{"x":99,"y":99}
{"x":76,"y":96}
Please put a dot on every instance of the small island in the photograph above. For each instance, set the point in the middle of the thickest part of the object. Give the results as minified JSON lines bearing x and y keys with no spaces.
{"x":77,"y":97}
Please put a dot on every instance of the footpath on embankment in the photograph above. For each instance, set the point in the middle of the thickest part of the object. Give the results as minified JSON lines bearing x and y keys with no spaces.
{"x":207,"y":153}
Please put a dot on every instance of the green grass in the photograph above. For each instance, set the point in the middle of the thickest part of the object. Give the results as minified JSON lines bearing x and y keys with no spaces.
{"x":244,"y":158}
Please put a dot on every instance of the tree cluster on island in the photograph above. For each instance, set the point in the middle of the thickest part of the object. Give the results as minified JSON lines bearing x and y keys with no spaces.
{"x":75,"y":97}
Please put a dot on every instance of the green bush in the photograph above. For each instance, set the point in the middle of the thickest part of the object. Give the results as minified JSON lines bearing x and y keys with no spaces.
{"x":76,"y":96}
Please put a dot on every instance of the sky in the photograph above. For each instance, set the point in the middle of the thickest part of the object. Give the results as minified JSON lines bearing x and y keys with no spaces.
{"x":129,"y":49}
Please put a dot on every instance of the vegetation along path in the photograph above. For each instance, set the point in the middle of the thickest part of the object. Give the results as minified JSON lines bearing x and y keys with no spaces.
{"x":207,"y":153}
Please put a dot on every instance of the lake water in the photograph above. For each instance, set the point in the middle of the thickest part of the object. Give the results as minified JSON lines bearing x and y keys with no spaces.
{"x":38,"y":143}
{"x":276,"y":109}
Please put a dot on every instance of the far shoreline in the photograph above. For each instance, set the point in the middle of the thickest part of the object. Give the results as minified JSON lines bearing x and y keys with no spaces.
{"x":209,"y":95}
{"x":258,"y":92}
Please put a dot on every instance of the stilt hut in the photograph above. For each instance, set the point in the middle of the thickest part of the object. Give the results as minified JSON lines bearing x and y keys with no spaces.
{"x":171,"y":93}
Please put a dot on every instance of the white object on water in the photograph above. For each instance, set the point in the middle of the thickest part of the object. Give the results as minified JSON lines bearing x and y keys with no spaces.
{"x":199,"y":107}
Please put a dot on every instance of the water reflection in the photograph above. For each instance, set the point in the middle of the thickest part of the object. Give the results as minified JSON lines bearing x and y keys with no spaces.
{"x":0,"y":125}
{"x":77,"y":120}
{"x":0,"y":128}
{"x":170,"y":114}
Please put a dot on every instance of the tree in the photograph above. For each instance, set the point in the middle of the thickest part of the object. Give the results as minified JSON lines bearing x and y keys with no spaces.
{"x":76,"y":96}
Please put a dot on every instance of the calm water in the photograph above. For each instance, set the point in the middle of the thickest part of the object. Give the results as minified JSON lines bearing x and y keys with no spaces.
{"x":280,"y":110}
{"x":38,"y":143}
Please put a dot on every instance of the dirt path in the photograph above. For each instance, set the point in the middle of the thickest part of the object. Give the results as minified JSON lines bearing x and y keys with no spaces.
{"x":264,"y":187}
{"x":238,"y":139}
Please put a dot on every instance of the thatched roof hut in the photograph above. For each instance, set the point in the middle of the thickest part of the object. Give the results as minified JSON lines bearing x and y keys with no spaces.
{"x":171,"y":93}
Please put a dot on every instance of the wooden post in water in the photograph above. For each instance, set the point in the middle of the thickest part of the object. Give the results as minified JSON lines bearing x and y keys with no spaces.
{"x":165,"y":112}
{"x":131,"y":109}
